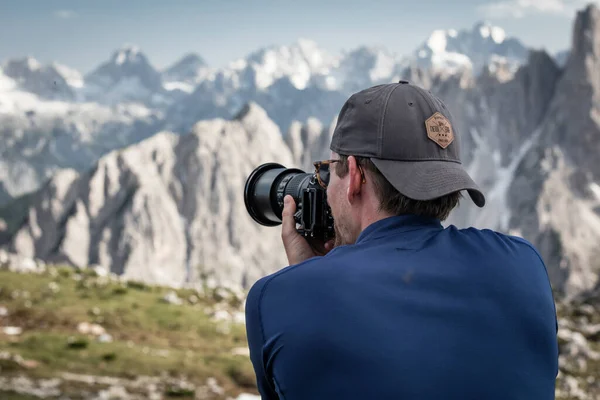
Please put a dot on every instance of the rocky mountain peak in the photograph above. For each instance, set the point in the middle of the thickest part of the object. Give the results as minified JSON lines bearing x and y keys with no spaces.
{"x":538,"y":77}
{"x":483,"y":44}
{"x":188,"y":69}
{"x":251,"y":110}
{"x":298,"y":62}
{"x":127,"y":75}
{"x":20,"y":65}
{"x":255,"y":121}
{"x":46,"y":81}
{"x":585,"y":44}
{"x":128,"y":54}
{"x":252,"y":113}
{"x":127,"y":61}
{"x":578,"y":95}
{"x":488,"y":31}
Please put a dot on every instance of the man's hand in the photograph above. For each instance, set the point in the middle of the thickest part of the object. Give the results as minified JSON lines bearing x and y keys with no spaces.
{"x":297,"y":247}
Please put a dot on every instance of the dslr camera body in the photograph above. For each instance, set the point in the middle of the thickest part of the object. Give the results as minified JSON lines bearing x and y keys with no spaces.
{"x":269,"y":183}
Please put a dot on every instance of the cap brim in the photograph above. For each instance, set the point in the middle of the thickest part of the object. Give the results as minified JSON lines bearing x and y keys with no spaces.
{"x":427,"y":180}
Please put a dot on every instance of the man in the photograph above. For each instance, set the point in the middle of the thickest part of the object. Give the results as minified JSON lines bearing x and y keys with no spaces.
{"x":401,"y":307}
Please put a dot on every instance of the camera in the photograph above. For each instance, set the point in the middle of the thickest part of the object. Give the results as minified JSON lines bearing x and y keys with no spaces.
{"x":269,"y":183}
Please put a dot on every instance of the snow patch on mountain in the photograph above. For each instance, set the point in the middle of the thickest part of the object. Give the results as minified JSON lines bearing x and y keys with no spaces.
{"x":497,"y":213}
{"x":6,"y":83}
{"x":496,"y":33}
{"x":595,"y":188}
{"x":182,"y":86}
{"x":451,"y":50}
{"x":73,"y":77}
{"x":298,"y":62}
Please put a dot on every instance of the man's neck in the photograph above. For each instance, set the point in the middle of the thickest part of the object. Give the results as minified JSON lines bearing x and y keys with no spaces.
{"x":371,"y":218}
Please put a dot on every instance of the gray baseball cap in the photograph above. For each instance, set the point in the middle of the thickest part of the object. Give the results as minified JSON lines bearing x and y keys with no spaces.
{"x":410,"y":136}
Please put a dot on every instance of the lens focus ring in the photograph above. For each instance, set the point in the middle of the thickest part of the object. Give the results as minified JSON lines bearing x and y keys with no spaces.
{"x":281,"y":189}
{"x":295,"y":185}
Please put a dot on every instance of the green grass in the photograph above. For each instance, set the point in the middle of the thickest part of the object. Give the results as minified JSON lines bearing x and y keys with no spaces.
{"x":150,"y":337}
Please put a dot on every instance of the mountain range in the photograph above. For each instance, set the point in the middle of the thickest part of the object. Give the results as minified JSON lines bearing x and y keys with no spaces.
{"x":141,"y":171}
{"x":82,"y":114}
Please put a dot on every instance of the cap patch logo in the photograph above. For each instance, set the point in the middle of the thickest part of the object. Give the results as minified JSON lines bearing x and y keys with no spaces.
{"x":439,"y":130}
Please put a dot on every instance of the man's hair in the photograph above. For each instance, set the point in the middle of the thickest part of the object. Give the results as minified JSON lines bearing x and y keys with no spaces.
{"x":393,"y":202}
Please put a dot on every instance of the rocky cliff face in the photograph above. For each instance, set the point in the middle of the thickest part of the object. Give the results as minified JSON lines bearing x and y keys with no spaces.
{"x":168,"y":210}
{"x":555,"y":195}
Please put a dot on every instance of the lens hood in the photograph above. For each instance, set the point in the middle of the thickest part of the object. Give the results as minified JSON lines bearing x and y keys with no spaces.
{"x":252,"y":197}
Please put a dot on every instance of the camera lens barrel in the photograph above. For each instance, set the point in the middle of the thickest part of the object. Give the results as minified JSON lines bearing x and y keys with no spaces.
{"x":266,"y":187}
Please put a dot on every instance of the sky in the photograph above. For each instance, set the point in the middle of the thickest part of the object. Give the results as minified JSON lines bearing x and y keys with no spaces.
{"x":84,"y":33}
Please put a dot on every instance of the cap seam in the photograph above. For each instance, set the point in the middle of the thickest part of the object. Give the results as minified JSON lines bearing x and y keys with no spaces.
{"x":381,"y":121}
{"x":427,"y":100}
{"x":419,"y":159}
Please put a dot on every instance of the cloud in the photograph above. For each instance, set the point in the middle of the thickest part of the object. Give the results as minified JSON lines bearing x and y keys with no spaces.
{"x":523,"y":8}
{"x":65,"y":14}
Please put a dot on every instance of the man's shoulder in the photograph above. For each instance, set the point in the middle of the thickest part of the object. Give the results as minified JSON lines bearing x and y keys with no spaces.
{"x":287,"y":274}
{"x":505,"y":241}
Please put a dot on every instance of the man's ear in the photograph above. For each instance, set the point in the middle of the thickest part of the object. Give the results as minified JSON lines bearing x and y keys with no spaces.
{"x":355,"y":179}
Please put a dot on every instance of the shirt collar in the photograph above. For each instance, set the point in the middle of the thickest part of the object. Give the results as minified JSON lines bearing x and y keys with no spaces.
{"x":397,"y":224}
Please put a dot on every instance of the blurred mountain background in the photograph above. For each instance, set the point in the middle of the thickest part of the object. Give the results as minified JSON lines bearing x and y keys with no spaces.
{"x":121,"y":196}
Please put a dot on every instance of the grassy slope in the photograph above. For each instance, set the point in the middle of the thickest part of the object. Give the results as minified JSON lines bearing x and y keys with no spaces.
{"x":151,"y":337}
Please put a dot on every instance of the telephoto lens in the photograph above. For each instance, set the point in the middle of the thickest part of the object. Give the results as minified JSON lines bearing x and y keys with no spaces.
{"x":268,"y":184}
{"x":266,"y":187}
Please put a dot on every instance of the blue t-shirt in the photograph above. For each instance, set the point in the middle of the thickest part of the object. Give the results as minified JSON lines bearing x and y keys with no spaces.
{"x":412,"y":310}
